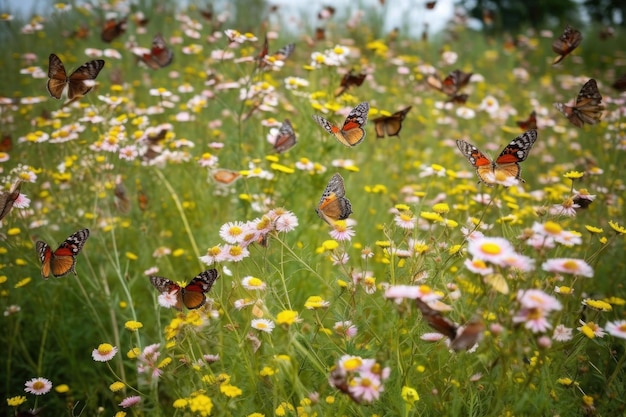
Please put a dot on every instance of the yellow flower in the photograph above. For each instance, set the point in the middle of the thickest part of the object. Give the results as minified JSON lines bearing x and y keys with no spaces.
{"x":62,"y":389}
{"x":23,"y":282}
{"x":267,"y":371}
{"x":353,"y":363}
{"x":426,"y":215}
{"x":441,"y":208}
{"x":409,"y":395}
{"x":178,"y":252}
{"x":330,"y":245}
{"x":131,"y":256}
{"x":256,"y":415}
{"x":230,"y":390}
{"x":588,"y":400}
{"x":201,"y":404}
{"x":282,"y":168}
{"x":117,"y":386}
{"x":565,"y":381}
{"x":315,"y":301}
{"x":287,"y":317}
{"x":180,"y":403}
{"x":592,"y":229}
{"x":13,"y":231}
{"x":133,"y":326}
{"x":133,"y":353}
{"x":15,"y":401}
{"x":598,"y":305}
{"x":619,"y":229}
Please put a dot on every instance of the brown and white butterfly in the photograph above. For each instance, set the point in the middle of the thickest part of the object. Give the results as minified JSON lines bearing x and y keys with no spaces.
{"x":505,"y":169}
{"x":286,"y":138}
{"x":588,"y":107}
{"x":159,"y":55}
{"x":566,"y":43}
{"x":451,"y":85}
{"x":350,"y":79}
{"x":351,"y":133}
{"x":334,"y":205}
{"x":461,"y":337}
{"x":8,"y":198}
{"x":79,"y":83}
{"x":192,"y":295}
{"x":390,"y":125}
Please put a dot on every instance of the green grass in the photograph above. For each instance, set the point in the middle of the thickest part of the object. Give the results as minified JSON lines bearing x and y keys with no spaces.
{"x":61,"y":321}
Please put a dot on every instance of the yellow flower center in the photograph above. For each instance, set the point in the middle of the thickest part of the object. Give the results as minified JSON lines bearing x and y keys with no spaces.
{"x":490,"y":248}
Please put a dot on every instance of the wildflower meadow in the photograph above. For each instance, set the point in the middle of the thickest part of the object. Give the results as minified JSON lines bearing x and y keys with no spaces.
{"x":212,"y":211}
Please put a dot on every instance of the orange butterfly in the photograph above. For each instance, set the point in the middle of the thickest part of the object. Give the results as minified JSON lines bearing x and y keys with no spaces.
{"x":566,"y":43}
{"x":63,"y":260}
{"x":225,"y":176}
{"x":80,"y":82}
{"x":192,"y":295}
{"x":112,"y":29}
{"x":505,"y":169}
{"x":352,"y":132}
{"x":530,"y":123}
{"x":159,"y":56}
{"x":334,"y":205}
{"x":390,"y":125}
{"x":286,"y":138}
{"x":461,"y":337}
{"x":451,"y":85}
{"x":7,"y":199}
{"x":588,"y":107}
{"x":350,"y":79}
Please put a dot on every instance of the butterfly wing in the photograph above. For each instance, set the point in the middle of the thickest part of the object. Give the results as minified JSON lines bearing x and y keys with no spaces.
{"x":468,"y":335}
{"x":285,"y":52}
{"x":112,"y":29}
{"x":333,"y":205}
{"x":45,"y":255}
{"x":352,"y":132}
{"x":328,"y":126}
{"x":507,"y":163}
{"x":8,"y":199}
{"x":437,"y":321}
{"x":193,"y":295}
{"x":63,"y":260}
{"x":484,"y":166}
{"x":530,"y":123}
{"x":589,"y":106}
{"x":167,"y":286}
{"x":566,"y":43}
{"x":225,"y":176}
{"x":286,"y":138}
{"x":82,"y":80}
{"x":57,"y":77}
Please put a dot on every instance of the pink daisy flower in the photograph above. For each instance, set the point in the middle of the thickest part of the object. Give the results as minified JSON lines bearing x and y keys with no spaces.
{"x":568,"y":266}
{"x":38,"y":386}
{"x":616,"y":328}
{"x":491,"y":249}
{"x":130,"y":401}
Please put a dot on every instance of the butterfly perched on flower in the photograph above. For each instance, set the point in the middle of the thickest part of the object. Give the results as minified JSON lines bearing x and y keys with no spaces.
{"x":505,"y":169}
{"x":282,"y":54}
{"x":8,"y":198}
{"x":530,"y":123}
{"x":390,"y":125}
{"x":158,"y":56}
{"x":350,"y":79}
{"x":80,"y":82}
{"x":566,"y":43}
{"x":352,"y":132}
{"x":191,"y":296}
{"x":112,"y":29}
{"x":588,"y":107}
{"x":451,"y":85}
{"x":461,"y":337}
{"x":63,"y":260}
{"x":286,"y":138}
{"x":334,"y":205}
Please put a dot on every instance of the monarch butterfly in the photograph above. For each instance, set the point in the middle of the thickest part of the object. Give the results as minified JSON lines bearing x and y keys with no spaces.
{"x":588,"y":107}
{"x":350,"y":79}
{"x":566,"y":43}
{"x":451,"y":85}
{"x":225,"y":176}
{"x":461,"y":337}
{"x":505,"y":169}
{"x":112,"y":29}
{"x":334,"y":205}
{"x":80,"y":82}
{"x":192,"y":295}
{"x":352,"y":132}
{"x":530,"y":123}
{"x":63,"y":260}
{"x":390,"y":125}
{"x":159,"y":56}
{"x":7,"y":199}
{"x":286,"y":138}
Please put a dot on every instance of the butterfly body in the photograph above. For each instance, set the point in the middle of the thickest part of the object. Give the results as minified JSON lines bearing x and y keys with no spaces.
{"x":192,"y":295}
{"x":79,"y":83}
{"x":352,"y":132}
{"x":505,"y":169}
{"x":588,"y":107}
{"x":334,"y":205}
{"x":62,"y":261}
{"x":286,"y":138}
{"x":390,"y":125}
{"x":566,"y":43}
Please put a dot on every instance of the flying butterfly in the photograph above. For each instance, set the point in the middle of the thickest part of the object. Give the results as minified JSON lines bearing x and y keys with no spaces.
{"x":6,"y":143}
{"x":7,"y":199}
{"x":286,"y":138}
{"x":334,"y":205}
{"x":350,"y":79}
{"x":225,"y":176}
{"x":159,"y":55}
{"x":451,"y":85}
{"x":80,"y":82}
{"x":588,"y":107}
{"x":192,"y":295}
{"x":112,"y":29}
{"x":63,"y":260}
{"x":530,"y":123}
{"x":566,"y":43}
{"x":390,"y":125}
{"x":620,"y":83}
{"x":282,"y":54}
{"x":461,"y":337}
{"x":352,"y":132}
{"x":505,"y":169}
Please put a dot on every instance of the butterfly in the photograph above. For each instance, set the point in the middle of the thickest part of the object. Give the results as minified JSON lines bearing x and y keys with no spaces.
{"x":352,"y":132}
{"x":6,"y":143}
{"x":334,"y":205}
{"x":80,"y":82}
{"x":159,"y":56}
{"x":326,"y":12}
{"x":530,"y":123}
{"x":192,"y":295}
{"x":566,"y":43}
{"x":451,"y":85}
{"x":225,"y":176}
{"x":390,"y":125}
{"x":286,"y":138}
{"x":431,"y":4}
{"x":282,"y":54}
{"x":7,"y":199}
{"x":63,"y":260}
{"x":122,"y":202}
{"x":112,"y":29}
{"x":588,"y":107}
{"x":620,"y":83}
{"x":461,"y":337}
{"x":505,"y":169}
{"x":350,"y":79}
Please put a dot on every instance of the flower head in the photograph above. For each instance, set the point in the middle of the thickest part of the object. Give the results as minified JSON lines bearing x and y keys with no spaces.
{"x":104,"y":353}
{"x":38,"y":386}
